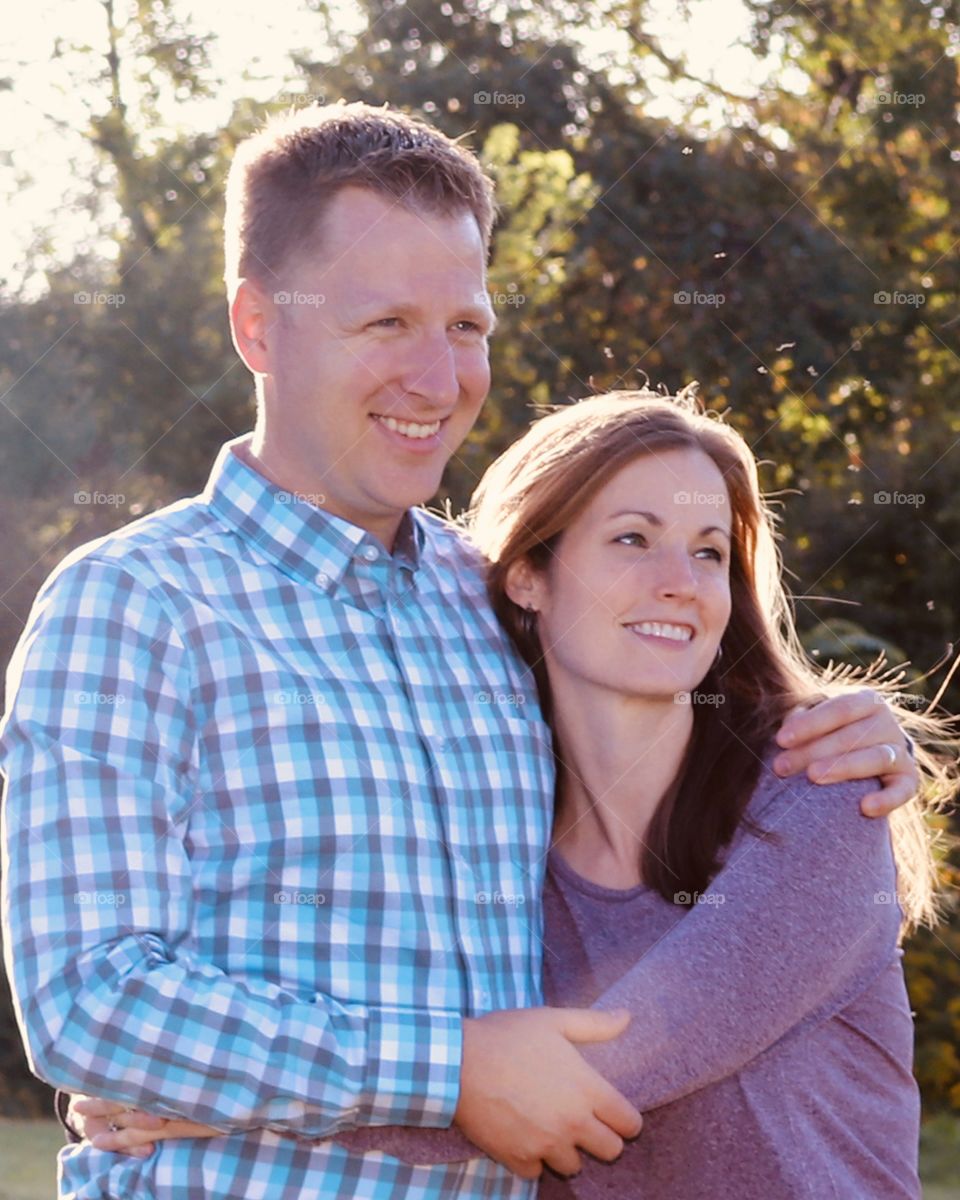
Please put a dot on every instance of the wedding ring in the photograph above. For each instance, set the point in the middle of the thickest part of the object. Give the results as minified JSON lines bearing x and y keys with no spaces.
{"x":892,"y":755}
{"x":113,"y":1126}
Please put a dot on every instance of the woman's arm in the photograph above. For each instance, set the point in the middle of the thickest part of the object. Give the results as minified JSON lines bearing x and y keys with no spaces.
{"x":792,"y":929}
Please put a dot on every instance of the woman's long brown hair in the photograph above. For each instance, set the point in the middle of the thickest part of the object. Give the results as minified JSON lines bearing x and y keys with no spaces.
{"x":535,"y":491}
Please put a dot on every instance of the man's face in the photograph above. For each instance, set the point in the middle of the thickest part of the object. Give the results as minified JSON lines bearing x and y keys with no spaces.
{"x":378,"y":357}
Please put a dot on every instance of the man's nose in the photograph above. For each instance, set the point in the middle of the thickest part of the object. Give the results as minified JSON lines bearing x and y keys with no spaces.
{"x":431,"y":371}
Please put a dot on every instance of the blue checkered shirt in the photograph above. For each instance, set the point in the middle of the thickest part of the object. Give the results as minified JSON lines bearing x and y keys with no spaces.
{"x":276,"y":812}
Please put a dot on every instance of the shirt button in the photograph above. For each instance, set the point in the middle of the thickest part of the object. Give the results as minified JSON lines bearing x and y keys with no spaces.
{"x":371,"y":553}
{"x":323,"y":578}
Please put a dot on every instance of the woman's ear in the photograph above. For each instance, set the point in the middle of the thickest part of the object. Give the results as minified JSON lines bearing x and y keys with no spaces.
{"x":524,"y":585}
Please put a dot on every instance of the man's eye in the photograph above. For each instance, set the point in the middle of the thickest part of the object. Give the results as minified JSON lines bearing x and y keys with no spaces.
{"x":386,"y":322}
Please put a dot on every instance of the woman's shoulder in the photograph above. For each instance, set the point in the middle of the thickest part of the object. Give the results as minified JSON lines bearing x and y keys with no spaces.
{"x":804,"y":813}
{"x":772,"y":791}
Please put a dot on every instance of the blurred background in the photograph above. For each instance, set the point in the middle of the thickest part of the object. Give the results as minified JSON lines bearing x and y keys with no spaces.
{"x":760,"y":195}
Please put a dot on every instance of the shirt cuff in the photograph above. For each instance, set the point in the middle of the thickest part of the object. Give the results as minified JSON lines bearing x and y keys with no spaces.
{"x":413,"y":1068}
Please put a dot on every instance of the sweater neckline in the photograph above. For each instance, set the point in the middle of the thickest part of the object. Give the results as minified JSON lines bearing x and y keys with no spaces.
{"x":559,"y":866}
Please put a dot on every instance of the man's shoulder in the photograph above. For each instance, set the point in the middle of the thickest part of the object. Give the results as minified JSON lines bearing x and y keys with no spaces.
{"x":450,"y":543}
{"x":148,"y":545}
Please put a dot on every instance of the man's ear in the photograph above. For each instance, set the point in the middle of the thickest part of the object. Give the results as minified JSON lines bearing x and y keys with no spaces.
{"x":524,"y":585}
{"x":252,"y":316}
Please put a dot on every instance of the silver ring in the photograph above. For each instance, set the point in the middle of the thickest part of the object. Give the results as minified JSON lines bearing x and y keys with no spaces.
{"x":892,"y":752}
{"x":113,"y":1126}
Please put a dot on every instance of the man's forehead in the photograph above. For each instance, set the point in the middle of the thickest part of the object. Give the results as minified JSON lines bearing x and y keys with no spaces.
{"x":413,"y":290}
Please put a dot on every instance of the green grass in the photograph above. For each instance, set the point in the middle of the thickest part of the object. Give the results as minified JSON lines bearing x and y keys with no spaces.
{"x":940,"y":1158}
{"x":28,"y":1159}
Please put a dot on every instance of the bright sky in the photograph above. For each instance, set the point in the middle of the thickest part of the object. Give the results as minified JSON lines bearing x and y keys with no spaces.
{"x":253,"y":39}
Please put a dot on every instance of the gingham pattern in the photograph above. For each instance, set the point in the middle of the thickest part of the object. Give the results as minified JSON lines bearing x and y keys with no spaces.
{"x":276,"y":811}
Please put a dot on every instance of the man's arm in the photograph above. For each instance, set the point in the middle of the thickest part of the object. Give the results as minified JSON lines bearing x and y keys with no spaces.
{"x":100,"y":751}
{"x":526,"y":1097}
{"x":851,"y":737}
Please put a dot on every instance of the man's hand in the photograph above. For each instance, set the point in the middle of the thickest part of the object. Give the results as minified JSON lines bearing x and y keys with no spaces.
{"x":528,"y":1097}
{"x":111,"y":1126}
{"x":850,"y":737}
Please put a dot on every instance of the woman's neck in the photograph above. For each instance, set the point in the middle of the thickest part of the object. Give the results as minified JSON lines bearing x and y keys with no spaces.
{"x":619,"y":755}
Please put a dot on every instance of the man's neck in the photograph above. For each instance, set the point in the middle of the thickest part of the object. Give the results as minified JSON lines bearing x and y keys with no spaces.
{"x":282,"y":475}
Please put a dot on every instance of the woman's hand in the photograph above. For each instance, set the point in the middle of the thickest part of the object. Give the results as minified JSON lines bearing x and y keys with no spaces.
{"x":850,"y":737}
{"x":112,"y":1126}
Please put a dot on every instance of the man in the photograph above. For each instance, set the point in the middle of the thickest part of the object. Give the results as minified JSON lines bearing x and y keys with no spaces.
{"x":260,"y":807}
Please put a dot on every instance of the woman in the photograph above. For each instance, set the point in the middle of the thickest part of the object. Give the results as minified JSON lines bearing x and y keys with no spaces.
{"x":633,"y":561}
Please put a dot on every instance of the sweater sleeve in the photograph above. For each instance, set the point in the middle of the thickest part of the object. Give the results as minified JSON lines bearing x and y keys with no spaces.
{"x":793,"y":927}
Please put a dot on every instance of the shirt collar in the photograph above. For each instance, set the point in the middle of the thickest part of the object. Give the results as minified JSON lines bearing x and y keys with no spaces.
{"x":302,"y":539}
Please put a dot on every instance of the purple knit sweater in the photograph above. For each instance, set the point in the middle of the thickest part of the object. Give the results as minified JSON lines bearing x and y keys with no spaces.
{"x":771,"y":1042}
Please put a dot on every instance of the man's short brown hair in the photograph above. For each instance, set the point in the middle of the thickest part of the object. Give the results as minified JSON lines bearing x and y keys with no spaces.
{"x":283,"y":177}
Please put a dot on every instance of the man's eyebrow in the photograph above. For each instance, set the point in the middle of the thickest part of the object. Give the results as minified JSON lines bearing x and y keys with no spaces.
{"x":369,"y":303}
{"x":658,"y":521}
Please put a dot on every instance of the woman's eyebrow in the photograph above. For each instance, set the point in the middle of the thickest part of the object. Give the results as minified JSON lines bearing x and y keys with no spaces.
{"x":655,"y":520}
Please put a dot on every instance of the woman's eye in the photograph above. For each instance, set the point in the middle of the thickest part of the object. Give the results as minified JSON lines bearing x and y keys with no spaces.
{"x":631,"y":539}
{"x":717,"y":554}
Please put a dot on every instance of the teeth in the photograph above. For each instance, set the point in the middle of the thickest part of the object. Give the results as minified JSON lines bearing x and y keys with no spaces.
{"x":410,"y":429}
{"x":676,"y":633}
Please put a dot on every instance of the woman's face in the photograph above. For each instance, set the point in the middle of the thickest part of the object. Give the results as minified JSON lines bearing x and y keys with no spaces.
{"x":637,"y":596}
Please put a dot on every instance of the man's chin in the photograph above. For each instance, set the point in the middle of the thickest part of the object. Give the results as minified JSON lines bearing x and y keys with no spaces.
{"x":409,"y":493}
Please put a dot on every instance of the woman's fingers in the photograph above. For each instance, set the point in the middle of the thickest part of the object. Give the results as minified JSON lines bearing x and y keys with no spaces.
{"x":90,"y":1106}
{"x":129,"y":1139}
{"x":92,"y":1117}
{"x":125,"y":1140}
